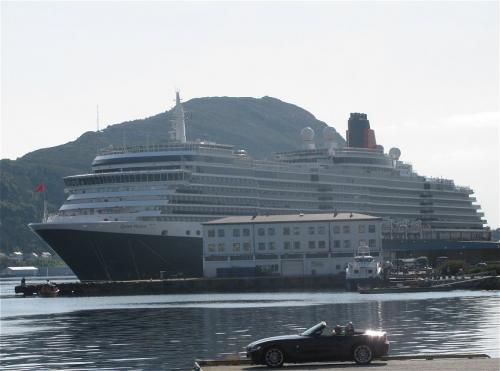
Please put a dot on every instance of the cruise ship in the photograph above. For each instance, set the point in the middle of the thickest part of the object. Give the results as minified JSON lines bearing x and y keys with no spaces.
{"x":138,"y":213}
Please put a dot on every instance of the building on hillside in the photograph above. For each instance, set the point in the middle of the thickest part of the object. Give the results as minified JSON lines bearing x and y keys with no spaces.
{"x":288,"y":245}
{"x":16,"y":255}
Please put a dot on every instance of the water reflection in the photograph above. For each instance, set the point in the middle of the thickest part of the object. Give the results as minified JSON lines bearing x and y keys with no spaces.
{"x":169,"y":337}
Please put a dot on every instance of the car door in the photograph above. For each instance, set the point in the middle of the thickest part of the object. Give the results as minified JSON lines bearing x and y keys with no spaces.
{"x":320,"y":348}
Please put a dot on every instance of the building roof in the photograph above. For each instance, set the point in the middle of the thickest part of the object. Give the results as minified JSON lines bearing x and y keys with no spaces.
{"x":22,"y":268}
{"x":249,"y":219}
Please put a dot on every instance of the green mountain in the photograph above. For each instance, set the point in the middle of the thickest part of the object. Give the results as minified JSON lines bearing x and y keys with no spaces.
{"x":260,"y":126}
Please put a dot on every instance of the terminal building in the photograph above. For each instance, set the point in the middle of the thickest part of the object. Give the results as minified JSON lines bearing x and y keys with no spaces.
{"x":287,"y":245}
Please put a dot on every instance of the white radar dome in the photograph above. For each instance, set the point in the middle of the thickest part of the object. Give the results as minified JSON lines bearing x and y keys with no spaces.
{"x":307,"y":134}
{"x":329,"y":134}
{"x":395,"y":153}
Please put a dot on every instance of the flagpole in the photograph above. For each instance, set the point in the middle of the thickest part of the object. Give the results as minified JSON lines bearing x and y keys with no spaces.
{"x":44,"y":208}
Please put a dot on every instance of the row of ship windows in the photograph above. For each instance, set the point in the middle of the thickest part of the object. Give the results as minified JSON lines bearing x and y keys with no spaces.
{"x":133,"y":188}
{"x":108,"y":210}
{"x":287,"y":245}
{"x":124,"y":178}
{"x":287,"y":231}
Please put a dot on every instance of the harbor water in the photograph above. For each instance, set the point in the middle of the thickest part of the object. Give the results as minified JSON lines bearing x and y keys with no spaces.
{"x":167,"y":332}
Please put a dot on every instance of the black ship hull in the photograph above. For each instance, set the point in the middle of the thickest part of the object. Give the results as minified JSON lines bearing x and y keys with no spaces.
{"x":122,"y":257}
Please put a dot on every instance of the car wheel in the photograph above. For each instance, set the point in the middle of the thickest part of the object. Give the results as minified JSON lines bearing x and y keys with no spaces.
{"x":274,"y":357}
{"x":362,"y":354}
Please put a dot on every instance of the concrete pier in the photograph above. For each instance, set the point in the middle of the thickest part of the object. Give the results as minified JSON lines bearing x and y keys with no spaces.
{"x":225,"y":285}
{"x":437,"y":362}
{"x":192,"y":285}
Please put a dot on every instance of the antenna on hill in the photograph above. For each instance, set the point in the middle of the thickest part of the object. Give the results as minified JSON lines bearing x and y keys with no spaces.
{"x":97,"y":118}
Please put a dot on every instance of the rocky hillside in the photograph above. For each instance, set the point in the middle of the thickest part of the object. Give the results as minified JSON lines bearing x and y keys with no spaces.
{"x":261,"y":126}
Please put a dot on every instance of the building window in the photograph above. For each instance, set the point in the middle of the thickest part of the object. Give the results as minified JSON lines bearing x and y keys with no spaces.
{"x":236,"y":232}
{"x":220,"y":232}
{"x":346,"y":229}
{"x":296,"y":231}
{"x":188,"y":233}
{"x":286,"y":231}
{"x":270,"y":231}
{"x":321,"y":244}
{"x":371,"y":228}
{"x":321,"y":229}
{"x":312,"y":244}
{"x":347,"y":244}
{"x":362,"y":242}
{"x":271,"y":246}
{"x":198,"y":232}
{"x":372,"y":243}
{"x":236,"y":247}
{"x":211,"y":233}
{"x":296,"y":245}
{"x":311,"y":230}
{"x":336,"y":229}
{"x":361,"y":228}
{"x":246,"y":232}
{"x":211,"y":247}
{"x":261,"y":231}
{"x":336,"y":244}
{"x":262,"y":246}
{"x":220,"y":247}
{"x":246,"y":246}
{"x":287,"y":245}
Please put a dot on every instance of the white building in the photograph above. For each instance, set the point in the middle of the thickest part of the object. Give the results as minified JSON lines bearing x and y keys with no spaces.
{"x":19,"y":271}
{"x":289,"y":245}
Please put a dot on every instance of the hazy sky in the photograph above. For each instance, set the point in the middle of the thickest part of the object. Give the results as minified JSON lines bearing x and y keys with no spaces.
{"x":426,"y":73}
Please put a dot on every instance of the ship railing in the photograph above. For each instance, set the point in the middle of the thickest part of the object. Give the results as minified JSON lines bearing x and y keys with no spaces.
{"x":190,"y":146}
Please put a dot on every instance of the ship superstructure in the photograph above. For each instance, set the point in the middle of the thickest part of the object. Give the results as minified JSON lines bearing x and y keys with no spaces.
{"x":137,"y":214}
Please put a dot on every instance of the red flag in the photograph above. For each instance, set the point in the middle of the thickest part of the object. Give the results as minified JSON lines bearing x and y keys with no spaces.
{"x":40,"y":187}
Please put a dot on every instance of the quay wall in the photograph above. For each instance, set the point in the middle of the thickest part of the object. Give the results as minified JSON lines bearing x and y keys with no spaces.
{"x":225,"y":285}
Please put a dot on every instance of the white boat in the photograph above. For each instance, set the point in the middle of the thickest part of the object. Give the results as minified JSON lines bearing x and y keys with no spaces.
{"x":363,"y":270}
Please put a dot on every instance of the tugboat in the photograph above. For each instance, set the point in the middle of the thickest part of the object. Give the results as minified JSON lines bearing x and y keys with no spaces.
{"x":364,"y":271}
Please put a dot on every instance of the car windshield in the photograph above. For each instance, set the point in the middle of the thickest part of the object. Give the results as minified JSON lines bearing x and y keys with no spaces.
{"x":315,"y":329}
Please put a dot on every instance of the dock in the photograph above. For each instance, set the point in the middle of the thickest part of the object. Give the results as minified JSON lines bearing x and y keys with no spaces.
{"x":192,"y":285}
{"x":463,"y":283}
{"x":428,"y":362}
{"x":242,"y":285}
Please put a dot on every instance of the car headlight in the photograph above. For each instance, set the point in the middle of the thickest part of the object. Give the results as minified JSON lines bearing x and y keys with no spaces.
{"x":253,"y":348}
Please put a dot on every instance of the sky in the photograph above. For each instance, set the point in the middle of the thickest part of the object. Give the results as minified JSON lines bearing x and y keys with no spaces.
{"x":425,"y":72}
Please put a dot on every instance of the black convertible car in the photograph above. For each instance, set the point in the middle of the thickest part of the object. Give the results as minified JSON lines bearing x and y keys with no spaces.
{"x":319,"y":344}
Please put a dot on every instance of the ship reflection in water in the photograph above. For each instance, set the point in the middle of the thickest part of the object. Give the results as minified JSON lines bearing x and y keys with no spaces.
{"x":169,"y":332}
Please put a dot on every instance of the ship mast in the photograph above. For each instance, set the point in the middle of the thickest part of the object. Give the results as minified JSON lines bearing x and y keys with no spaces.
{"x":178,"y":121}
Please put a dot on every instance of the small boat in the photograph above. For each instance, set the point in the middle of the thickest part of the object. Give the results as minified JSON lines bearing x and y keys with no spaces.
{"x":48,"y":290}
{"x":364,"y":271}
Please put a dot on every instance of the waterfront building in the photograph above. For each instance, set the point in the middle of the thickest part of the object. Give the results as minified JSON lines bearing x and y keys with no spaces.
{"x":288,"y":245}
{"x":19,"y":271}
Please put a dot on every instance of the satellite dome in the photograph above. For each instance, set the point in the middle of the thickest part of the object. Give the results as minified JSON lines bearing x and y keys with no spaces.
{"x":395,"y":153}
{"x":380,"y":148}
{"x":329,"y":134}
{"x":307,"y":134}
